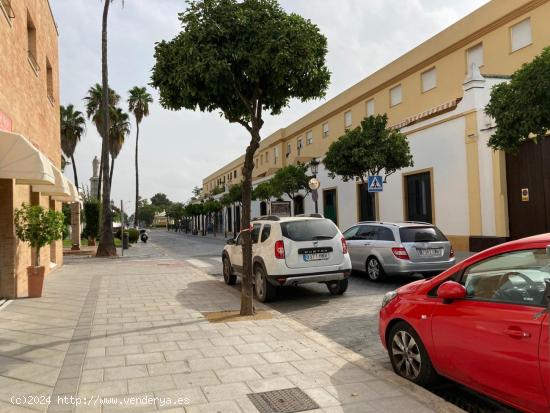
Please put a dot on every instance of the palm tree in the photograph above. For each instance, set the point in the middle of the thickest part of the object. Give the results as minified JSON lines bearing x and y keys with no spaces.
{"x":94,"y":101}
{"x":73,"y":125}
{"x":106,"y":241}
{"x":138,"y":104}
{"x":120,"y":127}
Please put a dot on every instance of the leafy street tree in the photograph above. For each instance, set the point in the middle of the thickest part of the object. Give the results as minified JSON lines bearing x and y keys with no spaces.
{"x":196,"y":191}
{"x":138,"y":104}
{"x":161,"y":201}
{"x":241,"y":58}
{"x":94,"y":100}
{"x":265,"y":191}
{"x":521,"y":108}
{"x":290,"y":180}
{"x":119,"y":128}
{"x":368,"y":150}
{"x":73,"y":125}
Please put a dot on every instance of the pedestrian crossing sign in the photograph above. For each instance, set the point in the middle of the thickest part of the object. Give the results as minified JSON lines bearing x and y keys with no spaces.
{"x":375,"y":184}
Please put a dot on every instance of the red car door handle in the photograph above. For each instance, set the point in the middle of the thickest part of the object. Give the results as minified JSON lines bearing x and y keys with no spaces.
{"x":517,"y":333}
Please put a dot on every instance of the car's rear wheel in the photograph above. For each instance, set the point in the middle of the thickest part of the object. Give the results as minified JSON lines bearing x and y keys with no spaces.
{"x":338,"y":287}
{"x":265,"y":291}
{"x":408,"y":355}
{"x":228,"y":276}
{"x":375,"y":271}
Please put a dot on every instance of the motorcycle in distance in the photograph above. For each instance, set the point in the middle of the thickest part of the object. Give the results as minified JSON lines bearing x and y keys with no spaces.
{"x":143,"y":235}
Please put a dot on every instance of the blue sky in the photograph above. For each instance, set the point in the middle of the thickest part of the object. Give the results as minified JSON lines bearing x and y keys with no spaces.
{"x":178,"y":149}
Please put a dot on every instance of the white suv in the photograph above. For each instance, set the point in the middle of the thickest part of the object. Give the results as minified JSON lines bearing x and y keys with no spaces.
{"x":291,"y":251}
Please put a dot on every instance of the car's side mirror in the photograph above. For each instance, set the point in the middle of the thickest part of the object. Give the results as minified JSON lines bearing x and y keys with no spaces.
{"x":451,"y":290}
{"x":230,"y":241}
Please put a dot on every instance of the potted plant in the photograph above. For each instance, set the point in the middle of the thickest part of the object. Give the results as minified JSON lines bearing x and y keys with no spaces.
{"x":38,"y":227}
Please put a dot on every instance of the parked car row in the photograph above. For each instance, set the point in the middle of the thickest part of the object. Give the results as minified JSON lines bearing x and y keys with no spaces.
{"x":483,"y":322}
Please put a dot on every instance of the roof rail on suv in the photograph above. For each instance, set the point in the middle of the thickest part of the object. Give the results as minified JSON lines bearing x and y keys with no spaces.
{"x":416,"y":222}
{"x":310,"y":216}
{"x":376,"y":222}
{"x":267,"y":218}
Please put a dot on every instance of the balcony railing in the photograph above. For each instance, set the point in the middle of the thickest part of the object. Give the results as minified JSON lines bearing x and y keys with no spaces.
{"x":51,"y":98}
{"x":33,"y":62}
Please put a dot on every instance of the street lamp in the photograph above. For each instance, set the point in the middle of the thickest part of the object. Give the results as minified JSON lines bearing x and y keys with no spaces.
{"x":314,"y":183}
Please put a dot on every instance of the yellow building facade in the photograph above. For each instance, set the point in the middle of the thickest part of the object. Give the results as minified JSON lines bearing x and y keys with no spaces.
{"x":424,"y":84}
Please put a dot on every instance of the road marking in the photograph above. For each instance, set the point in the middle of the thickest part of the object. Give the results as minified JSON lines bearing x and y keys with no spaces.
{"x":198,"y":263}
{"x":219,"y":259}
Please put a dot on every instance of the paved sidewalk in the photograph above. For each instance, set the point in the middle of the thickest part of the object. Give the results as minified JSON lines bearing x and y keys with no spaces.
{"x":131,"y":330}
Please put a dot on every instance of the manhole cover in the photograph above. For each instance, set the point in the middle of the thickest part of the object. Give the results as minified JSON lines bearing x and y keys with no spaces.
{"x":283,"y":401}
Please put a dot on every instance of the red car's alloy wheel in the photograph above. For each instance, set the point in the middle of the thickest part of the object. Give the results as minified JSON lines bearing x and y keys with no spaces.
{"x":406,"y":355}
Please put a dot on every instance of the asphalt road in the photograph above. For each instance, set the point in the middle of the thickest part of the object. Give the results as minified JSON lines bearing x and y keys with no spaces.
{"x":350,"y":319}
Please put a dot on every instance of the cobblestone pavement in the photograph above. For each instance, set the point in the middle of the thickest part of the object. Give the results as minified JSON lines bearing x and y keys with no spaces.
{"x":351,"y":319}
{"x":131,"y":331}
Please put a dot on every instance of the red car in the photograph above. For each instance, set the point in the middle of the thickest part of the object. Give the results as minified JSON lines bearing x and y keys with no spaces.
{"x":482,"y":323}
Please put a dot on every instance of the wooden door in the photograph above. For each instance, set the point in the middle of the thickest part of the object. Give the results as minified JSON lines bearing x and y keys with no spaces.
{"x":528,"y":183}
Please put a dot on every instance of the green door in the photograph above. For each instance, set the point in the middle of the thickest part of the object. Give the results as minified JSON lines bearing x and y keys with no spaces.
{"x":330,"y":205}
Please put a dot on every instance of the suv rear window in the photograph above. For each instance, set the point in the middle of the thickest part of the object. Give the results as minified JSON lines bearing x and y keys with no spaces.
{"x":309,"y":230}
{"x":421,"y":234}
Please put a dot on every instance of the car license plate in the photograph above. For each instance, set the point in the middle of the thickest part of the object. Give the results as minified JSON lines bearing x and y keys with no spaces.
{"x":316,"y":257}
{"x":430,"y":252}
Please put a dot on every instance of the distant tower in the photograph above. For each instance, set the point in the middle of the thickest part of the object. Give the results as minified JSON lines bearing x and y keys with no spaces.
{"x":94,"y":180}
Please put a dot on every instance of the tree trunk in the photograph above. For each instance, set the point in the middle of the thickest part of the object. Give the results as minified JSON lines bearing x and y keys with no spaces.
{"x":247,"y":299}
{"x":74,"y":172}
{"x":111,"y":171}
{"x":106,"y":246}
{"x":137,"y":175}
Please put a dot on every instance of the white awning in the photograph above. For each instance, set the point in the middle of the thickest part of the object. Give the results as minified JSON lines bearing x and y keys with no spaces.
{"x":60,"y":188}
{"x":21,"y":161}
{"x":74,"y":196}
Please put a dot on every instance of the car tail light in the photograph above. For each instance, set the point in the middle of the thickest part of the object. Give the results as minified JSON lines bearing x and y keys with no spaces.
{"x":344,"y":246}
{"x":281,"y":280}
{"x":400,"y":253}
{"x":452,"y":254}
{"x":280,"y":250}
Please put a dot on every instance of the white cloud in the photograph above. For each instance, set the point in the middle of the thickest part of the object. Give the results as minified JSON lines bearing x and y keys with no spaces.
{"x":178,"y":149}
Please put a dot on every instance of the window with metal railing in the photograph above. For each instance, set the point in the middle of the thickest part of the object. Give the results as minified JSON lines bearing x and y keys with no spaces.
{"x":7,"y":10}
{"x":31,"y":45}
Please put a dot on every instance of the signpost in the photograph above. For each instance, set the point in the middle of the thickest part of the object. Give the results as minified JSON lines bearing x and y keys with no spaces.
{"x":375,"y":183}
{"x":314,"y":185}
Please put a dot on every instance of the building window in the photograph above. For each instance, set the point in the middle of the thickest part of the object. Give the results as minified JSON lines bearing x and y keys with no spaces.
{"x":261,"y":159}
{"x":429,"y":80}
{"x":31,"y":45}
{"x":396,"y":95}
{"x":275,"y":155}
{"x":49,"y":81}
{"x":347,"y":120}
{"x":299,"y":145}
{"x":418,"y":197}
{"x":235,"y":173}
{"x":474,"y":55}
{"x":325,"y":129}
{"x":309,"y":137}
{"x":288,"y":149}
{"x":521,"y":35}
{"x":6,"y":10}
{"x":370,"y":107}
{"x":266,"y":157}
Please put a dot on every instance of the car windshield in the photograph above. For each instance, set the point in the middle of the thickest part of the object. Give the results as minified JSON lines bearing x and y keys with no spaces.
{"x":421,"y":234}
{"x":309,"y":230}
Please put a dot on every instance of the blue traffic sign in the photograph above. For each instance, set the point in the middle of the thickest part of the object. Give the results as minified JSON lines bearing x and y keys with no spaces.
{"x":375,"y":184}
